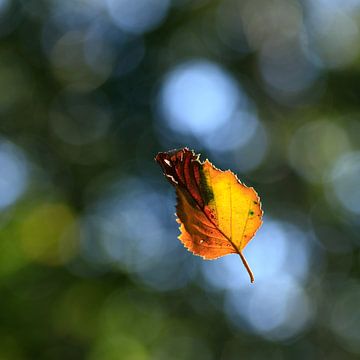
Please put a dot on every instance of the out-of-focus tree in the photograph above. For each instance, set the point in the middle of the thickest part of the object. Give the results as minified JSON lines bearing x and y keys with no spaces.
{"x":91,"y":90}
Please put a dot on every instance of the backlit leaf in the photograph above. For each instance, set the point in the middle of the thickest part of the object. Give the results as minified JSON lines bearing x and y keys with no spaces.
{"x":218,"y":215}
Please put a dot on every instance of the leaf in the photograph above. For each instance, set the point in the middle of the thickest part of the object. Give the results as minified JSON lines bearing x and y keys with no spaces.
{"x":218,"y":215}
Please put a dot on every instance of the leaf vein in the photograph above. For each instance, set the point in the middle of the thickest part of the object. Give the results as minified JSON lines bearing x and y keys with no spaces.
{"x":246,"y":221}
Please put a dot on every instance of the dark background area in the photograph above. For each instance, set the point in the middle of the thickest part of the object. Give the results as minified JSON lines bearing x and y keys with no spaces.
{"x":90,"y":91}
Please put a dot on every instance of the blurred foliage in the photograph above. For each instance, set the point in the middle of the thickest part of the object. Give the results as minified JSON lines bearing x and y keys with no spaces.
{"x":91,"y":90}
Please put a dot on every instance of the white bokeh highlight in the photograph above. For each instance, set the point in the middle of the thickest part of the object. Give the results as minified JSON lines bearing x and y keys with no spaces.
{"x":198,"y":97}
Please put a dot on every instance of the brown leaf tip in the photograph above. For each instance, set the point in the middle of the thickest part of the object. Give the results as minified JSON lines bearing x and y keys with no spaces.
{"x":172,"y":163}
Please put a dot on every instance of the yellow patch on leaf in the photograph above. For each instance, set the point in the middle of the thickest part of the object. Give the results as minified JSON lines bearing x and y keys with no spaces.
{"x":218,"y":215}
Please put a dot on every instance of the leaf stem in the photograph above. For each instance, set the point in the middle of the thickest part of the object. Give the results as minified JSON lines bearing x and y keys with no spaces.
{"x":242,"y":257}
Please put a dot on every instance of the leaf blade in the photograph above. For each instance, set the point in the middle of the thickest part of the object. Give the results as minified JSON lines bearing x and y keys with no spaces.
{"x":218,"y":215}
{"x":210,"y":243}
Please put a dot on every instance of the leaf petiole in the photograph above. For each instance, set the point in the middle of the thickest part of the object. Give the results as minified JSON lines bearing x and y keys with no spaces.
{"x":242,"y":257}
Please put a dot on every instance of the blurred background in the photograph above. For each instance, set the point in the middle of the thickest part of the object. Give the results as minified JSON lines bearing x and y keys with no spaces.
{"x":91,"y":90}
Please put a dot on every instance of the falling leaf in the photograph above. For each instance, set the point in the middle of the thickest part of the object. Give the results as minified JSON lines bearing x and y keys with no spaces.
{"x":218,"y":215}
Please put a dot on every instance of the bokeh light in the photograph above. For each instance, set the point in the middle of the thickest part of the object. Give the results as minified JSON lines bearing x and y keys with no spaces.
{"x":335,"y":31}
{"x":281,"y":246}
{"x":286,"y":70}
{"x":315,"y":146}
{"x":345,"y":319}
{"x":137,"y":16}
{"x":345,"y":177}
{"x":49,"y":234}
{"x":79,"y":119}
{"x":70,"y":63}
{"x":265,"y":21}
{"x":14,"y":173}
{"x":198,"y":97}
{"x":278,"y":307}
{"x":277,"y":310}
{"x":116,"y":217}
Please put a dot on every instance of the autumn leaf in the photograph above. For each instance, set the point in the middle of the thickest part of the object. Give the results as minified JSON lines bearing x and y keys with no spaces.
{"x":218,"y":215}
